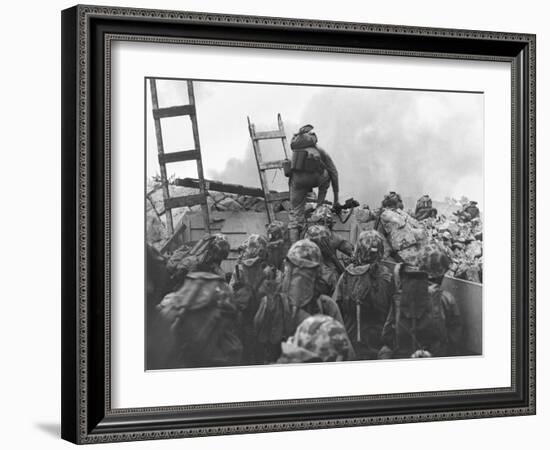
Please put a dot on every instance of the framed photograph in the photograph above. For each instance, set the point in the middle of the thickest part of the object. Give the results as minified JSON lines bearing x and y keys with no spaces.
{"x":280,"y":224}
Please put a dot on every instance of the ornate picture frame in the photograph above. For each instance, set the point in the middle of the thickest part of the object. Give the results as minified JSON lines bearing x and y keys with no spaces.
{"x":88,"y":33}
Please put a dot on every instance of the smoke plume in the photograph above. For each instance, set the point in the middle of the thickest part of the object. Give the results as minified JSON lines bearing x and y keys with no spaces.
{"x":411,"y":142}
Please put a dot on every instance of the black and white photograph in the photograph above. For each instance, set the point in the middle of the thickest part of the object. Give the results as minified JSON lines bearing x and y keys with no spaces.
{"x":296,"y":220}
{"x":294,"y":223}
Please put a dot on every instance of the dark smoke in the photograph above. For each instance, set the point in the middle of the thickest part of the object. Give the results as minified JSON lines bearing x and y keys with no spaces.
{"x":381,"y":142}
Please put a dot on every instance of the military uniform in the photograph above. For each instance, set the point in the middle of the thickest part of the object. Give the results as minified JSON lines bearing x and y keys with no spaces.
{"x":404,"y":234}
{"x":330,"y":266}
{"x":205,"y":256}
{"x":251,"y":280}
{"x":323,"y":216}
{"x":157,"y":287}
{"x":364,"y":293}
{"x":318,"y":338}
{"x":392,"y":200}
{"x":469,"y":212}
{"x":277,"y":243}
{"x":281,"y":312}
{"x":200,"y":324}
{"x":424,"y":209}
{"x":311,"y":167}
{"x":431,"y":323}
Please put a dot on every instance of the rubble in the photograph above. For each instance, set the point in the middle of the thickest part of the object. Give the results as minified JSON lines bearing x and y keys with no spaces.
{"x":462,"y":241}
{"x":157,"y":233}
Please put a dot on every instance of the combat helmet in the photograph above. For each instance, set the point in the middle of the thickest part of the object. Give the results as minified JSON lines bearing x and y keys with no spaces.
{"x":369,"y":247}
{"x":276,"y":231}
{"x":304,"y":253}
{"x":392,"y":200}
{"x":219,"y":248}
{"x":434,"y":261}
{"x":200,"y":290}
{"x":322,"y":216}
{"x":317,"y":233}
{"x":254,"y":246}
{"x":305,"y":129}
{"x":318,"y":338}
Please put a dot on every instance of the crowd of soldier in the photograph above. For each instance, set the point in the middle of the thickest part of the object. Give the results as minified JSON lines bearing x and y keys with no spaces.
{"x":303,"y":293}
{"x":288,"y":303}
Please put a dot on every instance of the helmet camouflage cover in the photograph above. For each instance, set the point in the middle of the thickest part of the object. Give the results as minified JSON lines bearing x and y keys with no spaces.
{"x":275,"y":231}
{"x":201,"y":289}
{"x":392,"y":200}
{"x":219,"y":248}
{"x":317,"y":233}
{"x":434,"y":261}
{"x":322,"y":215}
{"x":305,"y":129}
{"x":305,"y":253}
{"x":255,"y":246}
{"x":318,"y":338}
{"x":369,"y":247}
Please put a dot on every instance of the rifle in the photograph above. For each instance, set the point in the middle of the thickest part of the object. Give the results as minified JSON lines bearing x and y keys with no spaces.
{"x":327,"y":251}
{"x":349,"y":204}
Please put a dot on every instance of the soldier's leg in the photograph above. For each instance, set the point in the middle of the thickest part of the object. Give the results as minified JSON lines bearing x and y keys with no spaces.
{"x":324,"y":184}
{"x":298,"y":196}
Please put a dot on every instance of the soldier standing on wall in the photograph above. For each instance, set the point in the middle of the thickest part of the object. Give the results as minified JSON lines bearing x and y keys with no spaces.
{"x":310,"y":167}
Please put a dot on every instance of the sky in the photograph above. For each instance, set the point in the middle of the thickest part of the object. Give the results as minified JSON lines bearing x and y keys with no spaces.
{"x":412,"y":142}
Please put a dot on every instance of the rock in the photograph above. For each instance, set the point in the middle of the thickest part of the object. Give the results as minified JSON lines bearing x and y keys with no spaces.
{"x":457,"y":245}
{"x":260,"y":207}
{"x":216,"y":196}
{"x":251,"y":202}
{"x":285,"y":204}
{"x":229,"y":204}
{"x":241,"y":199}
{"x":474,"y":249}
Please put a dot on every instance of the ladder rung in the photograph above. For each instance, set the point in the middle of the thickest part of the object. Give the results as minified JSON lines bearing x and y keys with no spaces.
{"x":276,"y":134}
{"x":185,"y":155}
{"x":186,"y":200}
{"x":271,"y":165}
{"x":277,"y":196}
{"x":174,"y":111}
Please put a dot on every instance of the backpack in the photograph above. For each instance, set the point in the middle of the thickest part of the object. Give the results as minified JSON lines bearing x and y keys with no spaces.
{"x":419,"y":315}
{"x":200,"y":322}
{"x":424,"y":202}
{"x":249,"y":280}
{"x":392,"y":200}
{"x":364,"y":297}
{"x":307,"y":160}
{"x":398,"y":229}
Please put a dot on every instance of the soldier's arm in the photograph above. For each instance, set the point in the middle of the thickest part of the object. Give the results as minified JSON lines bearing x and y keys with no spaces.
{"x":332,"y":172}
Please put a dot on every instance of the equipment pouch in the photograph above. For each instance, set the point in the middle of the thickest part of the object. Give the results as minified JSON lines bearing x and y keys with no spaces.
{"x":287,"y":167}
{"x":299,"y":158}
{"x":313,"y":165}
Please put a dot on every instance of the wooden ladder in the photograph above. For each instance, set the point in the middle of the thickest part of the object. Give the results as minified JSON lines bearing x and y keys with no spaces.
{"x":263,"y":166}
{"x":179,"y":156}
